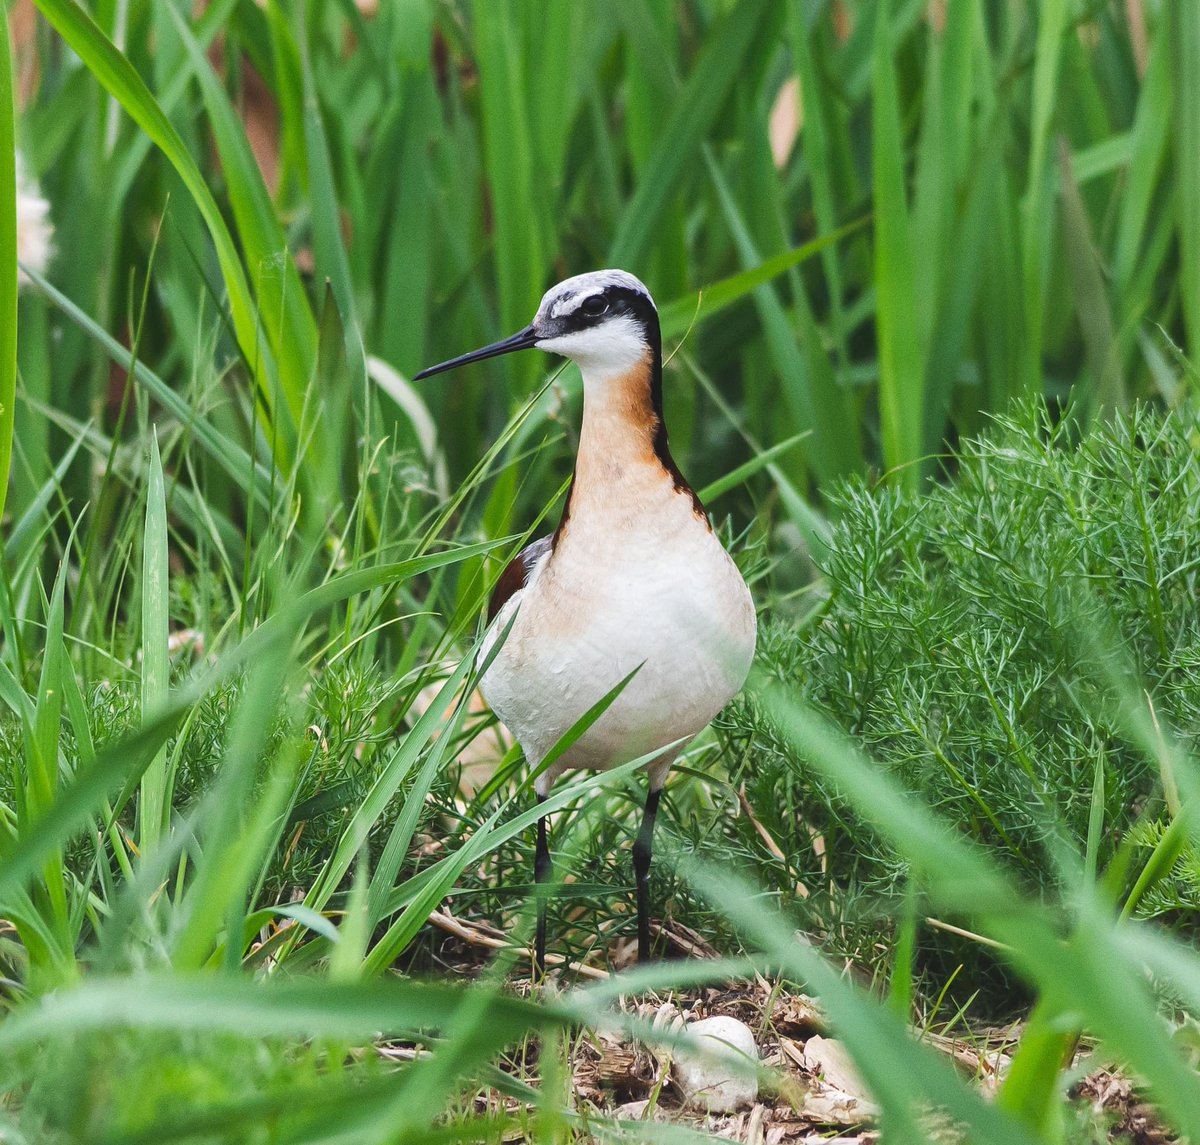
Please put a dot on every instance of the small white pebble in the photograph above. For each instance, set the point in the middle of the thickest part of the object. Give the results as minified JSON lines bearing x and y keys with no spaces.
{"x":720,"y":1074}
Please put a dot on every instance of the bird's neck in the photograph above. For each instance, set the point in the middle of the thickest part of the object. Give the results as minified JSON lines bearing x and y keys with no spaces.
{"x":621,"y":425}
{"x":623,"y":453}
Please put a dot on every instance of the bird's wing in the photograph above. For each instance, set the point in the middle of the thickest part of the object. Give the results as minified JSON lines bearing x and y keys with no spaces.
{"x":516,"y":574}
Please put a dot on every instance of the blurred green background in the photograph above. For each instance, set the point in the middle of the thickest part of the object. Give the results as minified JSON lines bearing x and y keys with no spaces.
{"x":999,"y":188}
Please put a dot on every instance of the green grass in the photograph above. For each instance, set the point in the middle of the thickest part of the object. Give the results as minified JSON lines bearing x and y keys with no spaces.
{"x":957,"y":640}
{"x":649,"y":150}
{"x":8,"y":278}
{"x":243,"y":557}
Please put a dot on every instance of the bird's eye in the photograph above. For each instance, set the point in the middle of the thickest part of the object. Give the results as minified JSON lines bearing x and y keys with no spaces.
{"x":593,"y":307}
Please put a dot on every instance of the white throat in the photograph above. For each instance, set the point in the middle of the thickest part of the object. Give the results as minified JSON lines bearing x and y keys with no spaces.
{"x":603,"y":351}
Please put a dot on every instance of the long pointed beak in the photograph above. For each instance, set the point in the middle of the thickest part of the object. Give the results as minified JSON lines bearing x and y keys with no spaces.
{"x":521,"y":340}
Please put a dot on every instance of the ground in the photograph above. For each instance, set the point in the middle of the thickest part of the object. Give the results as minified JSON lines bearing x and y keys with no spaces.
{"x":813,"y":1093}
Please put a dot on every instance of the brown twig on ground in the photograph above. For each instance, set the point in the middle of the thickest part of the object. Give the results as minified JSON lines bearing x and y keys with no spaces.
{"x":767,"y":838}
{"x":479,"y":934}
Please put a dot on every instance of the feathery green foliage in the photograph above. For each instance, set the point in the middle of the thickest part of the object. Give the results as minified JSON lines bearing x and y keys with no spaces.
{"x":962,"y":641}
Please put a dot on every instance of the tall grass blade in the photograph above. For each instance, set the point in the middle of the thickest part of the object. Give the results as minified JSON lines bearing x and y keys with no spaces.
{"x":376,"y":799}
{"x":332,"y":263}
{"x":522,"y":224}
{"x":239,"y":811}
{"x":116,"y":765}
{"x":1107,"y":391}
{"x":154,"y":798}
{"x":1183,"y":21}
{"x":696,"y":107}
{"x":241,"y":467}
{"x":678,"y":316}
{"x":818,"y":405}
{"x":286,"y":317}
{"x":284,"y":1008}
{"x":1031,"y":1087}
{"x":1149,"y":146}
{"x":901,"y":355}
{"x":121,"y":80}
{"x":1037,"y":206}
{"x":124,"y":762}
{"x":1085,"y":977}
{"x":26,"y":532}
{"x":743,"y":472}
{"x":52,"y":959}
{"x":8,"y":265}
{"x":817,"y":147}
{"x":902,"y":1075}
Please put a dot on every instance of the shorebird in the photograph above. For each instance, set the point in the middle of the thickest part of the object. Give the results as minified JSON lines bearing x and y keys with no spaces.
{"x":633,"y":579}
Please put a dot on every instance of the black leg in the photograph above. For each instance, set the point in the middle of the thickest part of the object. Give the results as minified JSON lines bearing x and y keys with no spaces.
{"x":541,"y":872}
{"x":641,"y":871}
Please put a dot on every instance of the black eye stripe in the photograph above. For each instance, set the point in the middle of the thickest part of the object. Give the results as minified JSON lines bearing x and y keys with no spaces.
{"x":609,"y":302}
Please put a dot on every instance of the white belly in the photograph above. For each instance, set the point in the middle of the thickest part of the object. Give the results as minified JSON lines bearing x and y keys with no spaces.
{"x":668,"y":599}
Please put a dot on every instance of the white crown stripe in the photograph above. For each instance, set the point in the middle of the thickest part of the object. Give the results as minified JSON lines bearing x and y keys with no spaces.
{"x":564,"y":306}
{"x":571,"y":293}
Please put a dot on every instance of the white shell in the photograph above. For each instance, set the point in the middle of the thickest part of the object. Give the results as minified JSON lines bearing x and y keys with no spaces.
{"x":719,"y":1075}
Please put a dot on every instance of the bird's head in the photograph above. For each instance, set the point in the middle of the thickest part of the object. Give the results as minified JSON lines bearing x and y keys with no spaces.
{"x":605,"y":321}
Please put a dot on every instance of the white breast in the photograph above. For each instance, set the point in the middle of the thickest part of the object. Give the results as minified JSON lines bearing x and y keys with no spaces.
{"x":649,"y":585}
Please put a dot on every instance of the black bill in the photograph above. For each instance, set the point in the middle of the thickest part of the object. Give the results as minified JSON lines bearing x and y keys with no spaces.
{"x":521,"y":340}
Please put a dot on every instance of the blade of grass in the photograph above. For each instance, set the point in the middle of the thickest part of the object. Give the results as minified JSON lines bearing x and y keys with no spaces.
{"x":487,"y":838}
{"x":209,"y":24}
{"x":281,"y":1008}
{"x":813,"y":527}
{"x":329,"y":251}
{"x":902,"y":1075}
{"x":236,"y":816}
{"x":521,"y":223}
{"x":744,"y":472}
{"x":680,"y":315}
{"x":652,"y":50}
{"x":957,"y":308}
{"x":1084,"y":977}
{"x":124,"y":762}
{"x":283,"y":305}
{"x":695,"y":110}
{"x":235,"y":461}
{"x":409,"y":246}
{"x":814,"y":136}
{"x":1107,"y":391}
{"x":1030,"y":1088}
{"x":901,"y":354}
{"x":1037,"y":207}
{"x":41,"y":743}
{"x":1183,"y":22}
{"x":942,"y":151}
{"x":25,"y":533}
{"x":376,"y":799}
{"x":154,"y":794}
{"x":1151,"y":134}
{"x":121,"y":80}
{"x":817,"y":404}
{"x":331,"y":415}
{"x":8,"y":265}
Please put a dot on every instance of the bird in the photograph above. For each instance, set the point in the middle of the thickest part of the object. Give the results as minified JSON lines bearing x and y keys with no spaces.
{"x":632,"y":581}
